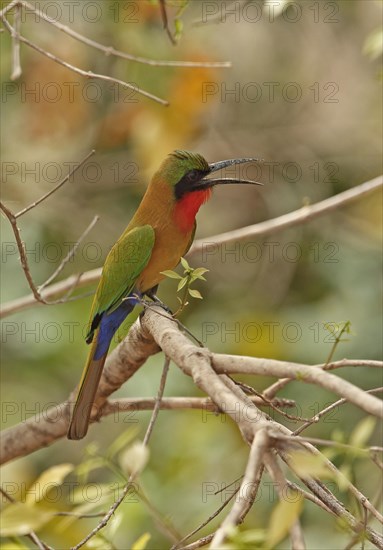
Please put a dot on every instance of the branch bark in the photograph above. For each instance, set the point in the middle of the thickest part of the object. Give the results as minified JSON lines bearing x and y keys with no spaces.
{"x":260,"y":229}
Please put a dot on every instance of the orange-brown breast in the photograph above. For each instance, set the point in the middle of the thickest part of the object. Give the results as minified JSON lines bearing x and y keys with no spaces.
{"x":173,"y":223}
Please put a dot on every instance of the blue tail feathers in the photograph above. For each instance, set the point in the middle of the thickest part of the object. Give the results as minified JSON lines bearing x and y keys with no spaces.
{"x":109,"y":324}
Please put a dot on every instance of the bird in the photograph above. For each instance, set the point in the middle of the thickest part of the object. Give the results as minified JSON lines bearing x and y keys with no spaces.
{"x":157,"y":237}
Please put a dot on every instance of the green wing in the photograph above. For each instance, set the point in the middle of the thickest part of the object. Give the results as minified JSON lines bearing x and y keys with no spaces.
{"x":123,"y":265}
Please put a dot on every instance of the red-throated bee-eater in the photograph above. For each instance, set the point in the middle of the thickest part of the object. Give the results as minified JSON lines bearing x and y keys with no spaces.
{"x":159,"y":234}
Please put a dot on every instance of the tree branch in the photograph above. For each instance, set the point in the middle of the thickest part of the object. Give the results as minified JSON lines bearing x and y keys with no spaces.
{"x":264,"y":228}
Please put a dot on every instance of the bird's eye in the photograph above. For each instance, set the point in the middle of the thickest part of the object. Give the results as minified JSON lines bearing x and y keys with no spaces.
{"x":193,"y":175}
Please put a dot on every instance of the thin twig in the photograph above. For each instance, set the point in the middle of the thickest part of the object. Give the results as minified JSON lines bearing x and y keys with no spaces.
{"x":277,"y":386}
{"x":23,"y":254}
{"x":70,"y":255}
{"x":9,"y":7}
{"x":87,"y":74}
{"x":269,"y":402}
{"x":16,"y":65}
{"x":254,"y":465}
{"x":328,"y":409}
{"x":133,"y":476}
{"x":16,"y":231}
{"x":32,"y":535}
{"x":264,"y":228}
{"x":206,"y":522}
{"x":156,"y":409}
{"x":165,"y":21}
{"x":302,"y":215}
{"x":109,"y":50}
{"x":62,"y":182}
{"x":203,"y":541}
{"x":327,"y":442}
{"x":275,"y":471}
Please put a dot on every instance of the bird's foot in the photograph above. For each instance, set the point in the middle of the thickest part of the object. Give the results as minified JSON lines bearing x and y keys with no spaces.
{"x":157,"y":302}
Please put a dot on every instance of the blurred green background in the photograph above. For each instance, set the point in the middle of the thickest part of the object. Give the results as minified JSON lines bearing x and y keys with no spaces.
{"x":304,"y":94}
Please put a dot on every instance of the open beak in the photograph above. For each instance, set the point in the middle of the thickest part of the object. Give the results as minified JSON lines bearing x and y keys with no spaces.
{"x":206,"y":183}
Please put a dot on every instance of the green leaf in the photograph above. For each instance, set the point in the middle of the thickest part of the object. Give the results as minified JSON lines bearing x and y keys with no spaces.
{"x":171,"y":274}
{"x":362,"y":432}
{"x":16,"y":545}
{"x":179,"y":26}
{"x":182,"y":283}
{"x":99,"y":542}
{"x":88,"y":466}
{"x":51,"y":478}
{"x":92,"y":493}
{"x":310,"y":465}
{"x":19,"y":519}
{"x":141,"y":542}
{"x":195,"y":294}
{"x":344,"y":482}
{"x":199,"y":272}
{"x":282,"y":518}
{"x":185,"y":264}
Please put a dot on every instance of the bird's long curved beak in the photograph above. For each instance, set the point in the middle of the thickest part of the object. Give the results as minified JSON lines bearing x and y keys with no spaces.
{"x":225,"y":163}
{"x":206,"y":182}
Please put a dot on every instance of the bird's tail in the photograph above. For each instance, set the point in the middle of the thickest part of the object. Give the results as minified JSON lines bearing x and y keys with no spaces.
{"x":87,"y":390}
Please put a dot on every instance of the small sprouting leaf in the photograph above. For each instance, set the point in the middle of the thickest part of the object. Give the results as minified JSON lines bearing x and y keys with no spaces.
{"x":135,"y":458}
{"x":185,"y":264}
{"x":199,"y":272}
{"x":282,"y":518}
{"x":195,"y":294}
{"x":182,"y":283}
{"x":362,"y":432}
{"x":51,"y":478}
{"x":19,"y":519}
{"x":141,"y":542}
{"x":171,"y":274}
{"x":178,"y":25}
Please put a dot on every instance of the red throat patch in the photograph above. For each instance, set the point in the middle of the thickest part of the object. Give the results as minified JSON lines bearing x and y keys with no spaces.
{"x":186,"y":209}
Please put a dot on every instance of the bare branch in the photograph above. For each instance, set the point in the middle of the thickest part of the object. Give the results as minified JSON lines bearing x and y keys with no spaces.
{"x":264,"y":228}
{"x":23,"y":255}
{"x":159,"y":397}
{"x":55,"y":290}
{"x":133,"y":475}
{"x":165,"y":21}
{"x":275,"y":471}
{"x":206,"y":522}
{"x":109,"y":50}
{"x":70,"y":255}
{"x":87,"y":74}
{"x":254,"y":465}
{"x":32,"y":535}
{"x":16,"y":65}
{"x":304,"y":373}
{"x":58,"y":186}
{"x":326,"y":410}
{"x":297,"y":217}
{"x":272,"y":390}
